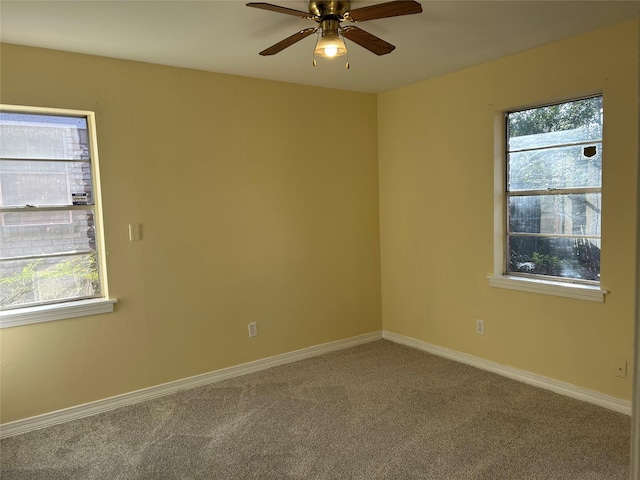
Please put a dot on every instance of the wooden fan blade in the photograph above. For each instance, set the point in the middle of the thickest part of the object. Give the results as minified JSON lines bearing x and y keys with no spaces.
{"x":279,"y":9}
{"x":384,"y":10}
{"x":366,"y":40}
{"x":287,"y":42}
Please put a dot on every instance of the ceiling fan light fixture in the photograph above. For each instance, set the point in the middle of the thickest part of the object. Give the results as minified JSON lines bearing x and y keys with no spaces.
{"x":330,"y":44}
{"x":330,"y":47}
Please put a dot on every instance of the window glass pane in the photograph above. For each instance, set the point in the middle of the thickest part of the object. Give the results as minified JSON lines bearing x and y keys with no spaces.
{"x":562,"y":167}
{"x":24,"y":282}
{"x":48,"y":244}
{"x":569,"y":122}
{"x":46,"y":232}
{"x":43,"y":136}
{"x":576,"y":214}
{"x":42,"y":183}
{"x":552,"y":149}
{"x":561,"y":257}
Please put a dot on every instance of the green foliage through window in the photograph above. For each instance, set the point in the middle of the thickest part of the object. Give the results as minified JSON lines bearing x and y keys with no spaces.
{"x":38,"y":282}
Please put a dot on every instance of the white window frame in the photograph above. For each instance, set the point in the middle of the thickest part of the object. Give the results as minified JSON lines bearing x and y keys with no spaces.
{"x":69,"y":308}
{"x":499,"y":278}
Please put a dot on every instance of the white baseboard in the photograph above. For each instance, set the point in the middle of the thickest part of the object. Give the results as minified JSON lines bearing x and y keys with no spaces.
{"x":85,"y":410}
{"x":563,"y":388}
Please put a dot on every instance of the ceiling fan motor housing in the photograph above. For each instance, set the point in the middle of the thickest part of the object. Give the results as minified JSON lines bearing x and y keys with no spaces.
{"x":324,"y":8}
{"x":330,"y":26}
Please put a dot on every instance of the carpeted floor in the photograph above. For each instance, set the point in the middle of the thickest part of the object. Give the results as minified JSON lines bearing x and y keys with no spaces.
{"x":377,"y":411}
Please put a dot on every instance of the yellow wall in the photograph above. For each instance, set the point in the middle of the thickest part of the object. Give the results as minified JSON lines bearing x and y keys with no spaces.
{"x":436,"y":209}
{"x":251,"y":211}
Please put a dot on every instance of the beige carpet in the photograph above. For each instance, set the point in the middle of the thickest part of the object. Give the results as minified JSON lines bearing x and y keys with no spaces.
{"x":377,"y":411}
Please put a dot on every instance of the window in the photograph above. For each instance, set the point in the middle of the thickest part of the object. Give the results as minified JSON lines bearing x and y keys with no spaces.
{"x":552,"y":205}
{"x":554,"y":183}
{"x":50,"y":231}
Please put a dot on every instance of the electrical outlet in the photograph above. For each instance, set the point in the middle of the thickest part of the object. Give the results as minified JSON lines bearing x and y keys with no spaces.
{"x":480,"y":327}
{"x":621,"y":368}
{"x":253,"y":329}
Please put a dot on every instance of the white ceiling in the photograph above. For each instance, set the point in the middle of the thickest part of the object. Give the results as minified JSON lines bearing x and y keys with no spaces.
{"x":226,"y":36}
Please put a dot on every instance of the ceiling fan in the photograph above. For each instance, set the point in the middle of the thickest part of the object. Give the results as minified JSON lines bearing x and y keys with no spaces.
{"x":329,"y":14}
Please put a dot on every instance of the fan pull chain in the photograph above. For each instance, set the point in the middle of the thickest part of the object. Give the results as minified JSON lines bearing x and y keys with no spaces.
{"x":345,"y":44}
{"x":315,"y":64}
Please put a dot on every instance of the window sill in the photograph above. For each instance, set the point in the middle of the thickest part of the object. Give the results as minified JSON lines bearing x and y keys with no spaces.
{"x":58,"y":311}
{"x":545,"y":287}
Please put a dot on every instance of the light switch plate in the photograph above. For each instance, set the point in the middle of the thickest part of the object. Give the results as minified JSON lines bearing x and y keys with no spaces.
{"x":134,"y":232}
